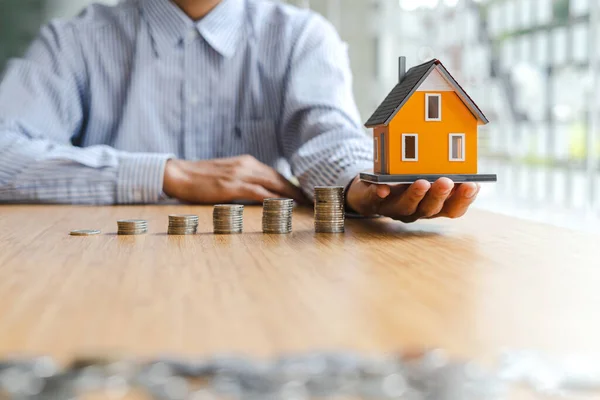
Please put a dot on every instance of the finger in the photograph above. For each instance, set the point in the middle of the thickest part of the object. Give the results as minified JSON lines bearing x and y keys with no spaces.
{"x":403,"y":202}
{"x":434,"y":201}
{"x":460,"y":201}
{"x":382,"y":191}
{"x":366,"y":198}
{"x":277,"y":183}
{"x":273,"y":181}
{"x":248,"y":169}
{"x":250,"y":191}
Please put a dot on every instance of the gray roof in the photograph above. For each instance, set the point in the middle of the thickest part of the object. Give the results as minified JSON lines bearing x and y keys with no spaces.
{"x":409,"y":84}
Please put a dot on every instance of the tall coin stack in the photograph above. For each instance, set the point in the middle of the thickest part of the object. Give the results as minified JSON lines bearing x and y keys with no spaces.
{"x":132,"y":227}
{"x":228,"y":218}
{"x":329,"y":209}
{"x":183,"y":224}
{"x":277,"y":215}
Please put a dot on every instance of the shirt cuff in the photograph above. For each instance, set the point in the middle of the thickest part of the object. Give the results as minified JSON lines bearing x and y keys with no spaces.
{"x":140,"y":177}
{"x":346,"y":177}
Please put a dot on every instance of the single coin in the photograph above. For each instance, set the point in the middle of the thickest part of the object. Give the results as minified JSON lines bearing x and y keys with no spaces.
{"x":184,"y":217}
{"x":85,"y":232}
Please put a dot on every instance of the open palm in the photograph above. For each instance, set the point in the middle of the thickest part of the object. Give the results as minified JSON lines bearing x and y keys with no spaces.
{"x":409,"y":203}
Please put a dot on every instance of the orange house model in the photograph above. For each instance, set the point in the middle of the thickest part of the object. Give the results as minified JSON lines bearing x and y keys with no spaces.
{"x":426,"y":128}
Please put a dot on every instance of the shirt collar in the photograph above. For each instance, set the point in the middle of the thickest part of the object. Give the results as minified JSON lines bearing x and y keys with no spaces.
{"x":168,"y":23}
{"x":222,"y":28}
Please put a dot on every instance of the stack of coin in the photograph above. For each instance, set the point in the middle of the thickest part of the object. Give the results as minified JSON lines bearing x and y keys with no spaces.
{"x":228,"y":218}
{"x":329,"y":209}
{"x":277,"y":215}
{"x":132,"y":227}
{"x":182,"y":224}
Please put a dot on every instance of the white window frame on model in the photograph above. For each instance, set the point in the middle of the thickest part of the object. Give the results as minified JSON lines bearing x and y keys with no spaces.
{"x":427,"y":97}
{"x":376,"y":146}
{"x":463,"y":150}
{"x":404,"y":136}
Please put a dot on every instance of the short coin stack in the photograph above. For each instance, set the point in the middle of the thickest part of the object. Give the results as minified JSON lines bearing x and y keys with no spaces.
{"x":181,"y":224}
{"x":277,"y":215}
{"x":329,"y":209}
{"x":132,"y":227}
{"x":228,"y":218}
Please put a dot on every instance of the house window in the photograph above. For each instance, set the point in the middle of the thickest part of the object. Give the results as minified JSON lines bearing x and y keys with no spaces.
{"x":433,"y":107}
{"x":410,"y":147}
{"x":457,"y":147}
{"x":376,"y":148}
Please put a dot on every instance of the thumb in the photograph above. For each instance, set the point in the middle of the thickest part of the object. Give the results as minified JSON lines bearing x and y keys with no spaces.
{"x":365,"y":198}
{"x":382,"y":191}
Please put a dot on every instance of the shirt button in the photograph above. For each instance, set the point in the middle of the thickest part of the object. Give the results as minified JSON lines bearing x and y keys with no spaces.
{"x":192,"y":34}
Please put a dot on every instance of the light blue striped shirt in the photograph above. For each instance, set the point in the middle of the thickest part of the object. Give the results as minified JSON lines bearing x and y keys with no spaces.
{"x":98,"y":104}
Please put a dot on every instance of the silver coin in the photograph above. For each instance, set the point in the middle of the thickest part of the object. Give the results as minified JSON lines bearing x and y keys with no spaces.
{"x":132,"y":225}
{"x":124,"y":225}
{"x":178,"y":226}
{"x":233,"y":207}
{"x":84,"y":232}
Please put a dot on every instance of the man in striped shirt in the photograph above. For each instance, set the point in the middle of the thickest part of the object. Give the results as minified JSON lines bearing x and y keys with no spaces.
{"x":203,"y":101}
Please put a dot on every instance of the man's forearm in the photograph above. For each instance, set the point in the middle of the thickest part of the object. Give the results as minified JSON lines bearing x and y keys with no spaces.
{"x":39,"y":171}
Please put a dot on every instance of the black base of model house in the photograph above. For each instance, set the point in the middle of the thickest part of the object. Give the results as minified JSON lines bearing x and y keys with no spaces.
{"x":382,"y":179}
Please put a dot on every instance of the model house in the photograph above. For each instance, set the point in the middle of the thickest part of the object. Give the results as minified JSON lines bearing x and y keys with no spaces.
{"x":427,"y":125}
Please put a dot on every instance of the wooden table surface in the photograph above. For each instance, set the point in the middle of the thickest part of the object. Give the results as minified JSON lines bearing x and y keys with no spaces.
{"x":472,"y":286}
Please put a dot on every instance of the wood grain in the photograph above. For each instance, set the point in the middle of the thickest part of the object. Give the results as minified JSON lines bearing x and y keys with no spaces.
{"x":472,"y":287}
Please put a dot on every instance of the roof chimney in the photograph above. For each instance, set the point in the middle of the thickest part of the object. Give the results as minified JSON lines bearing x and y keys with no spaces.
{"x":401,"y":68}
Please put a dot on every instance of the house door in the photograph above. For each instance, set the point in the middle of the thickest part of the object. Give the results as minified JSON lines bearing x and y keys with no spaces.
{"x":382,"y":154}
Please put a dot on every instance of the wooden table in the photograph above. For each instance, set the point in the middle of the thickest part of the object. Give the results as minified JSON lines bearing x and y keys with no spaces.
{"x":472,"y":286}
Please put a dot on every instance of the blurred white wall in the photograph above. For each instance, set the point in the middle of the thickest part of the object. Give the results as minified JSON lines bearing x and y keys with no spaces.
{"x":377,"y":33}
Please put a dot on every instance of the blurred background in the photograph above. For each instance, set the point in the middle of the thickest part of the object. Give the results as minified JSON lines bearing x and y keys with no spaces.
{"x":533,"y":66}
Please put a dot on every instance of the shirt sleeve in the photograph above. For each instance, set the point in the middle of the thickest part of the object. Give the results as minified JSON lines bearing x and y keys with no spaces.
{"x":322,"y":134}
{"x":43,"y":99}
